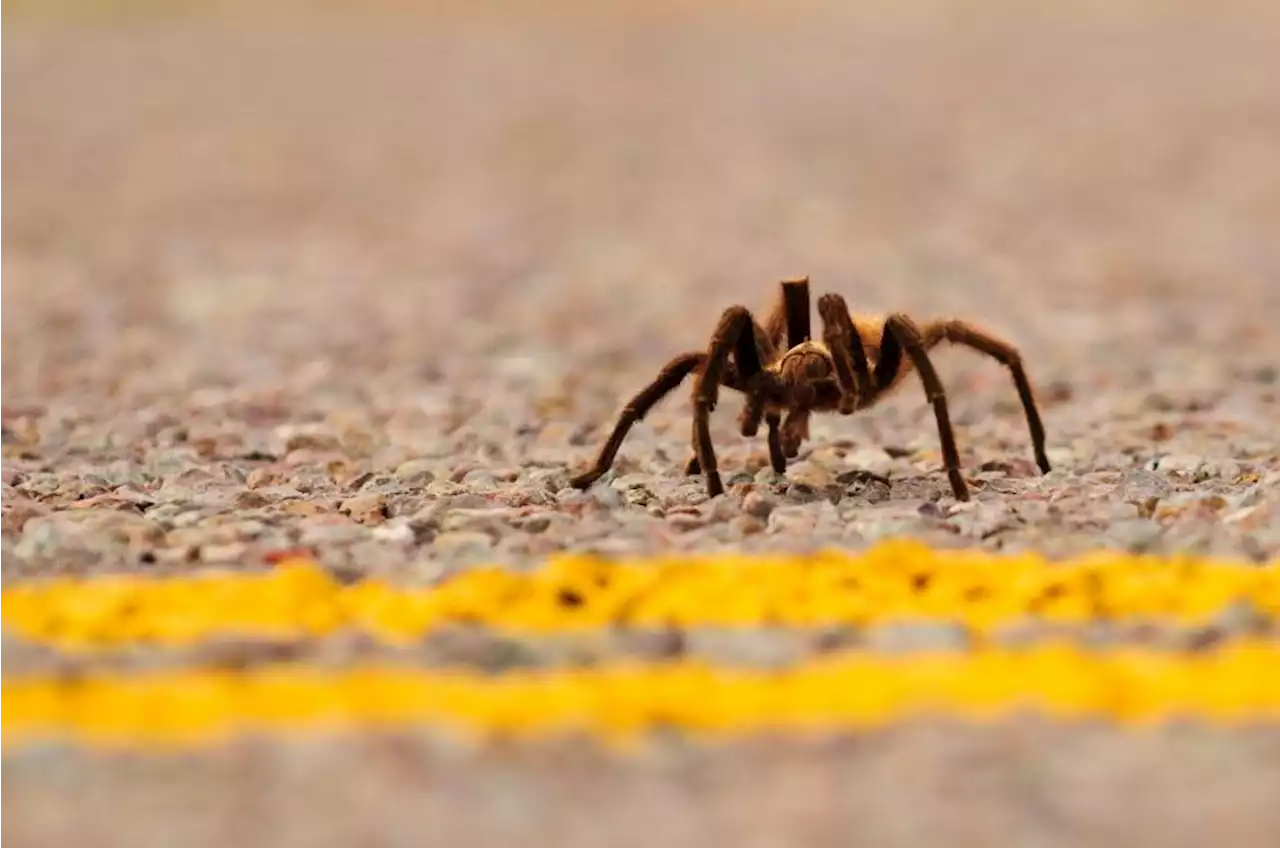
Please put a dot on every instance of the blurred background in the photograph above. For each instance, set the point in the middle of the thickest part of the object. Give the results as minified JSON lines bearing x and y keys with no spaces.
{"x":420,"y":253}
{"x":241,"y":185}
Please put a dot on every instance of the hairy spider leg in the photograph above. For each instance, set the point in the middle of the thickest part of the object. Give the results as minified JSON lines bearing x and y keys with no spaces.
{"x":777,"y":457}
{"x":735,"y":332}
{"x":671,"y":375}
{"x":795,"y":299}
{"x":963,"y":333}
{"x":788,"y":322}
{"x":847,"y":350}
{"x":901,"y":334}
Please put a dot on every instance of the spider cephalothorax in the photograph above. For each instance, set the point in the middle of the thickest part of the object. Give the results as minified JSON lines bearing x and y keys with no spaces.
{"x":783,"y":371}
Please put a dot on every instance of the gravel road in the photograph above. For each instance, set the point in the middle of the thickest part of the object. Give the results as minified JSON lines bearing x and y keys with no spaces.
{"x":377,"y":287}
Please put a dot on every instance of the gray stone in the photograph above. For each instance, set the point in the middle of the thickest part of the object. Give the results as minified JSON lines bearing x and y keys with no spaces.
{"x":400,"y":531}
{"x":870,"y":459}
{"x":534,"y":523}
{"x":330,"y":533}
{"x":1185,"y":465}
{"x":758,"y":504}
{"x":768,"y":477}
{"x":482,"y":479}
{"x":416,"y":472}
{"x":607,"y":497}
{"x":792,"y":521}
{"x":463,"y":545}
{"x":683,"y":520}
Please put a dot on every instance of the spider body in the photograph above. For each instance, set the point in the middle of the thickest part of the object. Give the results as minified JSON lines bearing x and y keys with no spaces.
{"x":807,"y":373}
{"x":787,"y":375}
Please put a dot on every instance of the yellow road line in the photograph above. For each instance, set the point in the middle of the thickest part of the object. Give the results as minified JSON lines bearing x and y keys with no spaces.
{"x":892,"y":582}
{"x":1238,"y":683}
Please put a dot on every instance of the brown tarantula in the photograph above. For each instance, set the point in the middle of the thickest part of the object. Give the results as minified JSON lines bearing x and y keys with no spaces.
{"x":859,"y":360}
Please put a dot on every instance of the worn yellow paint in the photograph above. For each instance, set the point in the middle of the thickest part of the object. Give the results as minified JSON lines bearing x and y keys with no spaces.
{"x":1236,"y":683}
{"x":898,"y":581}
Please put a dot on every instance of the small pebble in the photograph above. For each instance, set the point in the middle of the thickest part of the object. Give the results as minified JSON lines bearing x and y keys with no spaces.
{"x":685,"y":520}
{"x":415,"y":472}
{"x":259,"y":477}
{"x":769,"y":477}
{"x":481,"y":479}
{"x":748,"y":525}
{"x":223,"y":553}
{"x":1182,"y":464}
{"x":463,"y":544}
{"x":792,"y":521}
{"x":366,"y":509}
{"x":326,"y":532}
{"x":400,"y":531}
{"x":758,"y":504}
{"x":534,"y":523}
{"x":875,"y":460}
{"x":606,"y":496}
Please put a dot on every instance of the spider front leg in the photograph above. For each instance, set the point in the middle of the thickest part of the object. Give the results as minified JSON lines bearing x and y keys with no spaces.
{"x":901,"y":335}
{"x":735,"y":333}
{"x":671,"y":375}
{"x":777,"y":456}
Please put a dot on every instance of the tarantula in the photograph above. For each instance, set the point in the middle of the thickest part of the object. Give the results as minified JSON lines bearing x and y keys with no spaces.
{"x":781,"y":370}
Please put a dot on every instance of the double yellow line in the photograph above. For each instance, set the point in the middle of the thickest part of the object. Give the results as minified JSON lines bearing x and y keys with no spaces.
{"x":901,"y":581}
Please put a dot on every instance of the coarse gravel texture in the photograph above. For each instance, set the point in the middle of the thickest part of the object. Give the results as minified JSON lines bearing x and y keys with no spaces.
{"x":376,"y":286}
{"x":377,"y":290}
